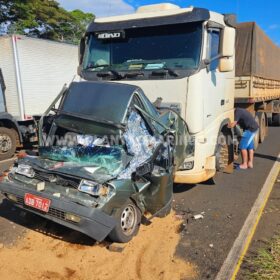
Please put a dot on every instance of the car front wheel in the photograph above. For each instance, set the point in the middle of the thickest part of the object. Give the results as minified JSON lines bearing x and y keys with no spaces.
{"x":128,"y":222}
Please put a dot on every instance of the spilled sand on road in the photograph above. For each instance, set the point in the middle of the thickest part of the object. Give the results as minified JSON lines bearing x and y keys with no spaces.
{"x":150,"y":255}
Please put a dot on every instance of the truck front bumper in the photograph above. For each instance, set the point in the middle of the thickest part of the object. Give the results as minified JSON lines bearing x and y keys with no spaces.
{"x":188,"y":177}
{"x":93,"y":222}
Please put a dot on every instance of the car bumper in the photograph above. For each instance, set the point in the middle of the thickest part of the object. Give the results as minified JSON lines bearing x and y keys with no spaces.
{"x":93,"y":222}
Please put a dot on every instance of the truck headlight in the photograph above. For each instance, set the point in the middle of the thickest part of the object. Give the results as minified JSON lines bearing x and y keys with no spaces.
{"x":96,"y":189}
{"x":187,"y":165}
{"x":25,"y":170}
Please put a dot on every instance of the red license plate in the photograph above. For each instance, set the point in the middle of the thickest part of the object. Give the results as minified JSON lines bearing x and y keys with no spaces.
{"x":37,"y":202}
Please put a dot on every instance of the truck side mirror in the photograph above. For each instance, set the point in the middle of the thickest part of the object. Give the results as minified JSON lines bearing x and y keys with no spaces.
{"x":227,"y":50}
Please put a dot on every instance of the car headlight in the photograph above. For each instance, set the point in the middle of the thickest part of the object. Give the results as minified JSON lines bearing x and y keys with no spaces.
{"x":25,"y":170}
{"x":96,"y":189}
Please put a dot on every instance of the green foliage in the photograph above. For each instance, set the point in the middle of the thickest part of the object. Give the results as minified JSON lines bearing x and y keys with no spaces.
{"x":266,"y":264}
{"x":43,"y":19}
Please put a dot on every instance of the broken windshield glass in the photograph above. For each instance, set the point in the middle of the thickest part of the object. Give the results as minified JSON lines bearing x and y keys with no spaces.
{"x":113,"y":159}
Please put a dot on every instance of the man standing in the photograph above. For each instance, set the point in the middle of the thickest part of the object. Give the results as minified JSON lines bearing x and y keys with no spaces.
{"x":250,"y":127}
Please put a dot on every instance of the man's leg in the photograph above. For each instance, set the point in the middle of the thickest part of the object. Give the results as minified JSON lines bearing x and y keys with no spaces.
{"x":251,"y":158}
{"x":244,"y":154}
{"x":243,"y":147}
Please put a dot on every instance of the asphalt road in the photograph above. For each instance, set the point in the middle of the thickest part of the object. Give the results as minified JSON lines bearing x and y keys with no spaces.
{"x":224,"y":205}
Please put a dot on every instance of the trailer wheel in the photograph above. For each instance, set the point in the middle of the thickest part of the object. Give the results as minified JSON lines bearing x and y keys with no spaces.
{"x":224,"y":150}
{"x":262,"y":124}
{"x":276,"y":119}
{"x":257,"y":136}
{"x":7,"y":143}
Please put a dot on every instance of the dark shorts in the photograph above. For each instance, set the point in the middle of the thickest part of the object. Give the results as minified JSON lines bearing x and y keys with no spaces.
{"x":247,"y":141}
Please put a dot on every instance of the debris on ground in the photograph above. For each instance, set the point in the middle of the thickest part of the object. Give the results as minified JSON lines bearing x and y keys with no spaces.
{"x":199,"y":216}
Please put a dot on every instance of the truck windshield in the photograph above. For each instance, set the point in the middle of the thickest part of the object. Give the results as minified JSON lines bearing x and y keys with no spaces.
{"x":150,"y":48}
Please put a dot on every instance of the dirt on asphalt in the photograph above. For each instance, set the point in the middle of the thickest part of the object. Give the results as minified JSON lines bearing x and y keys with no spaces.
{"x":150,"y":255}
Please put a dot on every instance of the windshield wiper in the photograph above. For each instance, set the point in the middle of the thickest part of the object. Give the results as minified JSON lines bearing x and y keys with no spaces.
{"x":133,"y":74}
{"x":91,"y":118}
{"x":164,"y":71}
{"x":110,"y":73}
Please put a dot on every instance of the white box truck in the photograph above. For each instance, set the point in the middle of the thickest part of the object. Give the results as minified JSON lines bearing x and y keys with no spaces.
{"x":33,"y":72}
{"x":185,"y":58}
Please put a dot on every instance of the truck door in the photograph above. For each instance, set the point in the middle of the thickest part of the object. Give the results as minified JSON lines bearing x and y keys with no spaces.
{"x":214,"y":94}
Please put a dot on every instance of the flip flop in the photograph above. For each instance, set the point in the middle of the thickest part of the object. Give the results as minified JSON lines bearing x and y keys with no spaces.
{"x":238,"y":168}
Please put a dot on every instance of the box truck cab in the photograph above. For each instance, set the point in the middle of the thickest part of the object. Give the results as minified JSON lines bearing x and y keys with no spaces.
{"x":182,"y":58}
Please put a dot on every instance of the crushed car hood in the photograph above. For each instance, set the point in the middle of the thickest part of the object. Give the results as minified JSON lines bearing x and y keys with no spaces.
{"x":100,"y":164}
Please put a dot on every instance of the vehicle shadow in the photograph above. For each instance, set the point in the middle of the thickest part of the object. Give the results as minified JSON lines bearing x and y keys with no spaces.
{"x":180,"y":188}
{"x":39,"y":224}
{"x":267,"y":157}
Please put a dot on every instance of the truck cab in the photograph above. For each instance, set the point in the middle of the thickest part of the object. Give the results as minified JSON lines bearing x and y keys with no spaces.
{"x":183,"y":59}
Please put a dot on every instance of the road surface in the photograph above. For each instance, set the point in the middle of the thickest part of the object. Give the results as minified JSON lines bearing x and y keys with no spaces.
{"x":204,"y":242}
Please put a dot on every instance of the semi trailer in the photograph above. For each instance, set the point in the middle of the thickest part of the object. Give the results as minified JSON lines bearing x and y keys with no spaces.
{"x":200,"y":63}
{"x":31,"y":76}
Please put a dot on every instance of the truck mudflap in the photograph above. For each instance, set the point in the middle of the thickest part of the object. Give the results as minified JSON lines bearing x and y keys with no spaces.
{"x":93,"y":222}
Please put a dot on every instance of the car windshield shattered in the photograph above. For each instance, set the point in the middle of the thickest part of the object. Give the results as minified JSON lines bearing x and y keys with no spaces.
{"x":112,"y":159}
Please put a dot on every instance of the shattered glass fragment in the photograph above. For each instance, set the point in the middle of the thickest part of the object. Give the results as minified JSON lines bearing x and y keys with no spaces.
{"x":140,"y":143}
{"x":111,"y":158}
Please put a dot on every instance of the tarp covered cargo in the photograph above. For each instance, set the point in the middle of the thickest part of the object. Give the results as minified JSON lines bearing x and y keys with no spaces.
{"x":256,"y":54}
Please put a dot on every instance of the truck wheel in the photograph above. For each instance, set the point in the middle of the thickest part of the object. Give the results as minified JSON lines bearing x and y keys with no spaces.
{"x":7,"y":143}
{"x":262,"y":124}
{"x":224,"y":150}
{"x":257,"y":136}
{"x":128,"y":222}
{"x":276,"y":119}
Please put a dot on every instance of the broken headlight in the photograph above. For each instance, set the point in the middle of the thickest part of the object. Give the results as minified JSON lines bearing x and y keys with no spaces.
{"x":25,"y":170}
{"x":96,"y":189}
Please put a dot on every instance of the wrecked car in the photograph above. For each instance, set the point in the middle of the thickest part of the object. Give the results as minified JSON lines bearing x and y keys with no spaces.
{"x":105,"y":161}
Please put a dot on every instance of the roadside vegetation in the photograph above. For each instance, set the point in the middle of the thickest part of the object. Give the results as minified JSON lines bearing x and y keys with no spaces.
{"x":265,"y":264}
{"x":42,"y":19}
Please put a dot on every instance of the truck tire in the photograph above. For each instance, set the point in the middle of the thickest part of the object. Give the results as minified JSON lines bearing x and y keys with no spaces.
{"x":7,"y":143}
{"x":128,"y":219}
{"x":276,"y":119}
{"x":257,"y":136}
{"x":224,"y":150}
{"x":262,"y":124}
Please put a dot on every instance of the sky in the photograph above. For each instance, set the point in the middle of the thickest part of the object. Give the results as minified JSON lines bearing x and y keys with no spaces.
{"x":265,"y":12}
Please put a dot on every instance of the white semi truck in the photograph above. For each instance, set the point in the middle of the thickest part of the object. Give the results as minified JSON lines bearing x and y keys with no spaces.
{"x":32,"y":72}
{"x":185,"y":58}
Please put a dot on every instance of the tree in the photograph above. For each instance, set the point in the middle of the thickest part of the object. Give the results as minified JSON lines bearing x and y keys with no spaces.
{"x":43,"y":19}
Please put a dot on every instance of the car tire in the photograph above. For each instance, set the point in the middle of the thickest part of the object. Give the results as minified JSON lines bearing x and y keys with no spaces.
{"x":8,"y":143}
{"x":128,"y":223}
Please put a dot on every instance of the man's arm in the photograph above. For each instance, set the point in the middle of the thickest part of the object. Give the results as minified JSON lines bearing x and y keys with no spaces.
{"x":232,"y":124}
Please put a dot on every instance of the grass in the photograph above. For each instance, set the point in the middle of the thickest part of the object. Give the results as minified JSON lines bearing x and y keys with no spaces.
{"x":265,"y":265}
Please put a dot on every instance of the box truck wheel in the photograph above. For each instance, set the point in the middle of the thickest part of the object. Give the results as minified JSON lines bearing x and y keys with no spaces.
{"x":7,"y":143}
{"x":262,"y":124}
